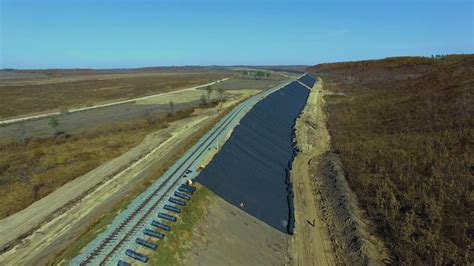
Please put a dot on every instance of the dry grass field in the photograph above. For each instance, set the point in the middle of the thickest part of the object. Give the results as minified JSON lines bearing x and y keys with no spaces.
{"x":403,"y":128}
{"x":20,"y":97}
{"x":32,"y":170}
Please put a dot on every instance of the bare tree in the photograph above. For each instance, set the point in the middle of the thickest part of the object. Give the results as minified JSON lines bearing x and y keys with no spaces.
{"x":171,"y":103}
{"x":36,"y":189}
{"x":203,"y":100}
{"x":429,"y":114}
{"x":54,"y":123}
{"x":23,"y":175}
{"x":149,"y":117}
{"x":209,"y":90}
{"x":349,"y":77}
{"x":221,"y":93}
{"x":22,"y":137}
{"x":464,"y":112}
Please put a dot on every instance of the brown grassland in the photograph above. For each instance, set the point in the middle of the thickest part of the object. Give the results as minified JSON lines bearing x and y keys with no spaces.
{"x":17,"y":100}
{"x":32,"y":170}
{"x":403,"y":128}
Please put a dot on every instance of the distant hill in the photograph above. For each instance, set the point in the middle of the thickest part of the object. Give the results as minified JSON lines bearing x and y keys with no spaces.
{"x":404,"y":129}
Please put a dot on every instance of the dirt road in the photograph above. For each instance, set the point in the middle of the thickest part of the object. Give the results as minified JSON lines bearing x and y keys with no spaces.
{"x":310,"y":244}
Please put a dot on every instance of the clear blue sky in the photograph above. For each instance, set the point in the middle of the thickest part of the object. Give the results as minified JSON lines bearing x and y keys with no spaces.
{"x":119,"y":33}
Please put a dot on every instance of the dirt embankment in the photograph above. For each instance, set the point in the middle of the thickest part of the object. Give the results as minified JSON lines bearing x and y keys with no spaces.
{"x":350,"y":231}
{"x":330,"y":229}
{"x":311,"y":244}
{"x":227,"y":235}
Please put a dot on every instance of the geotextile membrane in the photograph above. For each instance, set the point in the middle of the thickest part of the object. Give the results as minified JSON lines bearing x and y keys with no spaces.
{"x":308,"y":80}
{"x":251,"y":170}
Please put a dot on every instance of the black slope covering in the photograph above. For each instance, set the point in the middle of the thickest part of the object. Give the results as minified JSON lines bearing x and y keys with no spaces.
{"x":251,"y":167}
{"x":308,"y":80}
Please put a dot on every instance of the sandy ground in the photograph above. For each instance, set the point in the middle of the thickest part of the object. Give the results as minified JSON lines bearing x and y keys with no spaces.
{"x":310,"y":244}
{"x":230,"y":236}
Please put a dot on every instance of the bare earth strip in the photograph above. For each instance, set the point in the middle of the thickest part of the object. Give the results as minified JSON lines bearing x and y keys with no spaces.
{"x":310,"y":244}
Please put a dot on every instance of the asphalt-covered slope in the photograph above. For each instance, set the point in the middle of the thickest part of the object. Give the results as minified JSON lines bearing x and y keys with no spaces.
{"x":308,"y":80}
{"x":251,"y":167}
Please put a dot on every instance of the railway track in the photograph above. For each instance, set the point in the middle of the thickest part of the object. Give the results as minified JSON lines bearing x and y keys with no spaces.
{"x":108,"y":247}
{"x":175,"y":178}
